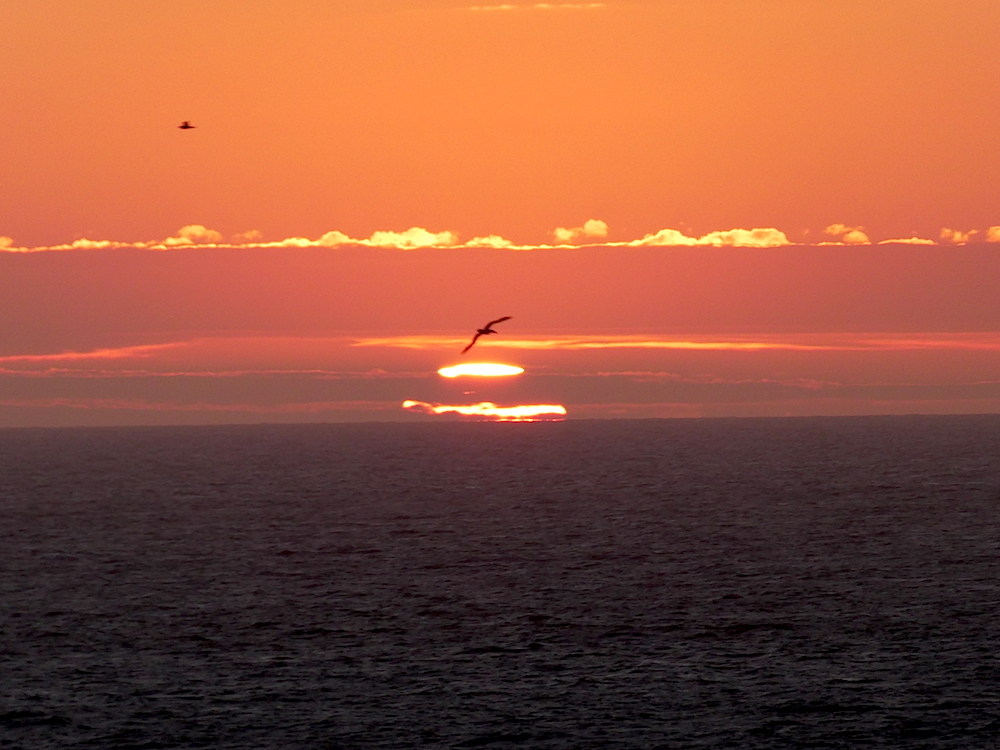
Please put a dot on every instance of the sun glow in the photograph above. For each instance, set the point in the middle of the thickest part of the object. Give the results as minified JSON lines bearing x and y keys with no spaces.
{"x":490,"y":411}
{"x":480,"y":369}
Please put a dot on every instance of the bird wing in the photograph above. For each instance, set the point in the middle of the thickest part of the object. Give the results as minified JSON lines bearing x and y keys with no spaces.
{"x":498,"y":320}
{"x":474,"y":339}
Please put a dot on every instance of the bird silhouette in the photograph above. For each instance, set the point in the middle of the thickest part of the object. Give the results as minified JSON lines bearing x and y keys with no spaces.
{"x":187,"y":126}
{"x":485,"y":331}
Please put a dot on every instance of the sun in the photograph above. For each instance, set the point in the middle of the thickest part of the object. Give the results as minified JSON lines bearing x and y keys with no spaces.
{"x":487,"y":410}
{"x":480,"y":369}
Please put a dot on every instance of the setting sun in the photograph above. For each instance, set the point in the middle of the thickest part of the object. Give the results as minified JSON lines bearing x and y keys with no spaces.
{"x":718,"y":226}
{"x":480,"y":369}
{"x":266,"y":483}
{"x":490,"y":411}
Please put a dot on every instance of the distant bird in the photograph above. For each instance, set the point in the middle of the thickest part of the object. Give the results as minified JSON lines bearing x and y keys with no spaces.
{"x":485,"y":331}
{"x":187,"y":126}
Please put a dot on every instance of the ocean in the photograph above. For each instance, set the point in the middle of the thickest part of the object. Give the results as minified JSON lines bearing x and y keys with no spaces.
{"x":727,"y":583}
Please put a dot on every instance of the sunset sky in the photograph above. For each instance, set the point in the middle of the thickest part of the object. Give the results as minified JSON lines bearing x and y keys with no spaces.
{"x":688,"y":207}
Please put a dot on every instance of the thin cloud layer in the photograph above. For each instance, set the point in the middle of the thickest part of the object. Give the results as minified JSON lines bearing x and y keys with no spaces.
{"x":120,"y":353}
{"x":537,"y":6}
{"x":993,"y":234}
{"x":589,"y":342}
{"x":790,"y":342}
{"x":122,"y":404}
{"x":327,"y":358}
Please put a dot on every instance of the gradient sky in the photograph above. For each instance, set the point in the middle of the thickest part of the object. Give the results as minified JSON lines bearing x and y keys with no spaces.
{"x":370,"y":181}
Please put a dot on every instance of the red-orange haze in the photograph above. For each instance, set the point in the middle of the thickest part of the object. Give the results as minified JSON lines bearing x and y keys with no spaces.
{"x":688,"y":208}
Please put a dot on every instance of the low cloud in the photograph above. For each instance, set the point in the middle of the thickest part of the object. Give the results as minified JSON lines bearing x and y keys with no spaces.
{"x":330,"y":239}
{"x":957,"y":237}
{"x":413,"y":238}
{"x":251,"y":235}
{"x":592,"y":229}
{"x":198,"y":235}
{"x":593,"y":233}
{"x":766,"y":237}
{"x":194,"y":234}
{"x":81,"y":244}
{"x":493,"y":240}
{"x":908,"y":241}
{"x":410,"y":239}
{"x":846,"y":235}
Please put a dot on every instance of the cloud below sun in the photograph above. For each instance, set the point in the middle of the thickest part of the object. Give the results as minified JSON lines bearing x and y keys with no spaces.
{"x":318,"y":356}
{"x":296,"y":378}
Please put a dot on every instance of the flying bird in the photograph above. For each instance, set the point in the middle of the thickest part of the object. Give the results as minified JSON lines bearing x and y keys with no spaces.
{"x":485,"y":331}
{"x":187,"y":126}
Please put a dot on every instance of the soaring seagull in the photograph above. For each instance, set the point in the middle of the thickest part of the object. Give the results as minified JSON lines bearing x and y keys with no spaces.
{"x":485,"y":331}
{"x":187,"y":126}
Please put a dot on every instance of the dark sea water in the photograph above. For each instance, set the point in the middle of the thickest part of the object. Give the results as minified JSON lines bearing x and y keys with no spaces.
{"x":773,"y":583}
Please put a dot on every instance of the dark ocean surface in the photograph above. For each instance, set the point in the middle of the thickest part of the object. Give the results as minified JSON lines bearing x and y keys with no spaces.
{"x":754,"y":583}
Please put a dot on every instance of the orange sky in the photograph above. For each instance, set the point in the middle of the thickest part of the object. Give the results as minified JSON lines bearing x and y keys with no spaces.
{"x":348,"y":123}
{"x":362,"y":115}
